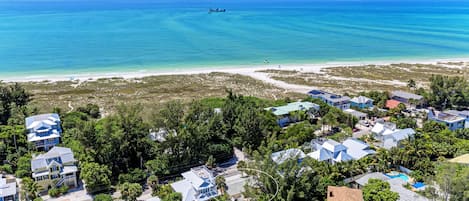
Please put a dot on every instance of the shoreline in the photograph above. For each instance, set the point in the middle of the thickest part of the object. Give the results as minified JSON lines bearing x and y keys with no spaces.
{"x":248,"y":70}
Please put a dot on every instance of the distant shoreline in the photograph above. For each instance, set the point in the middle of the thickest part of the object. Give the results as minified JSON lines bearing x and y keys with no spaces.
{"x":235,"y":69}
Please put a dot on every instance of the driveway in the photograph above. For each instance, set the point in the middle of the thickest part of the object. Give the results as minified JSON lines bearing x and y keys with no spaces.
{"x":76,"y":194}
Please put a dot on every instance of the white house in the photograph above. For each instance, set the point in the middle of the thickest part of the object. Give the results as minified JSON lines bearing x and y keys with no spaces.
{"x":359,"y":115}
{"x":335,"y":152}
{"x":361,"y":102}
{"x":43,"y":130}
{"x":389,"y":135}
{"x":198,"y":185}
{"x":56,"y":167}
{"x":8,"y":189}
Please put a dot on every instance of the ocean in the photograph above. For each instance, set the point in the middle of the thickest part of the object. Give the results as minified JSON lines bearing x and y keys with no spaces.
{"x":44,"y":38}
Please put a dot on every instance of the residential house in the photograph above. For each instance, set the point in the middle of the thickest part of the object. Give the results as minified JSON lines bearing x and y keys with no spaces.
{"x":338,"y":101}
{"x":198,"y":185}
{"x":454,"y":122}
{"x":56,"y":167}
{"x":8,"y":189}
{"x":396,"y":184}
{"x":389,"y":135}
{"x":409,"y":99}
{"x":359,"y":115}
{"x":463,"y":113}
{"x":335,"y":193}
{"x":391,"y":104}
{"x":361,"y":102}
{"x":283,"y":112}
{"x":282,"y":156}
{"x":335,"y":152}
{"x":43,"y":130}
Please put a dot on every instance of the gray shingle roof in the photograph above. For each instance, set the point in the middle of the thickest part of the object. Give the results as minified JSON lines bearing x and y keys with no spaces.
{"x":406,"y":95}
{"x":281,"y":156}
{"x":397,"y":185}
{"x":40,"y":161}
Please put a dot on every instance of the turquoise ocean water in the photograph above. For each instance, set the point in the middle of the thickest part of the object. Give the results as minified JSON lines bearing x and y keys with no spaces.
{"x":43,"y":37}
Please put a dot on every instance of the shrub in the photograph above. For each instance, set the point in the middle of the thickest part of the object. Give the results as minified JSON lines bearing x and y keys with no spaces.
{"x":38,"y":199}
{"x":6,"y":168}
{"x":63,"y":189}
{"x":102,"y":197}
{"x":54,"y":192}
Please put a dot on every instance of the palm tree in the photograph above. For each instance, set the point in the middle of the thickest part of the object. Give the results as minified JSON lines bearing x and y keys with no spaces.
{"x":221,"y":185}
{"x":411,"y":84}
{"x":32,"y":188}
{"x":241,"y":165}
{"x":153,"y":182}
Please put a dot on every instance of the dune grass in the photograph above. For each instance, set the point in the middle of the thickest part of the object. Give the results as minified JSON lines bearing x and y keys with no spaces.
{"x":353,"y":79}
{"x":151,"y":91}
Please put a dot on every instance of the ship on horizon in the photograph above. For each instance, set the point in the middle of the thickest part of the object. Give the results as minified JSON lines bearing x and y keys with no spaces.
{"x":216,"y":10}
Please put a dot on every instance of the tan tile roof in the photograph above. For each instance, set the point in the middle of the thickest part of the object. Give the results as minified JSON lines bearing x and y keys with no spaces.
{"x":335,"y":193}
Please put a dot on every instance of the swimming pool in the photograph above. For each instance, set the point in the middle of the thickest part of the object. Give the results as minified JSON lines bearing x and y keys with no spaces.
{"x":400,"y":175}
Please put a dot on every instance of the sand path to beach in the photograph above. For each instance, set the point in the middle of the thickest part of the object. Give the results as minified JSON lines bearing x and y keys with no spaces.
{"x":280,"y":84}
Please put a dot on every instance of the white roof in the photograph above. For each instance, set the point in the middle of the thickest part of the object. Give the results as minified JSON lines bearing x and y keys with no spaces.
{"x":355,"y":113}
{"x":350,"y":149}
{"x":36,"y":120}
{"x":195,"y":180}
{"x":357,"y":149}
{"x":361,"y":99}
{"x":69,"y":169}
{"x":355,"y":144}
{"x":402,"y":134}
{"x":43,"y":173}
{"x":281,"y":156}
{"x":384,"y":128}
{"x":320,"y":155}
{"x":7,"y":189}
{"x":185,"y":188}
{"x":333,"y":146}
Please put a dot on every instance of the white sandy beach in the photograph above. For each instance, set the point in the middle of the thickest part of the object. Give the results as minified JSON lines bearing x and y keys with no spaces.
{"x":251,"y":71}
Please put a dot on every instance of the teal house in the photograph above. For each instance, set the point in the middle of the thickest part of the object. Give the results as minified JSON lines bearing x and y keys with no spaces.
{"x":283,"y":112}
